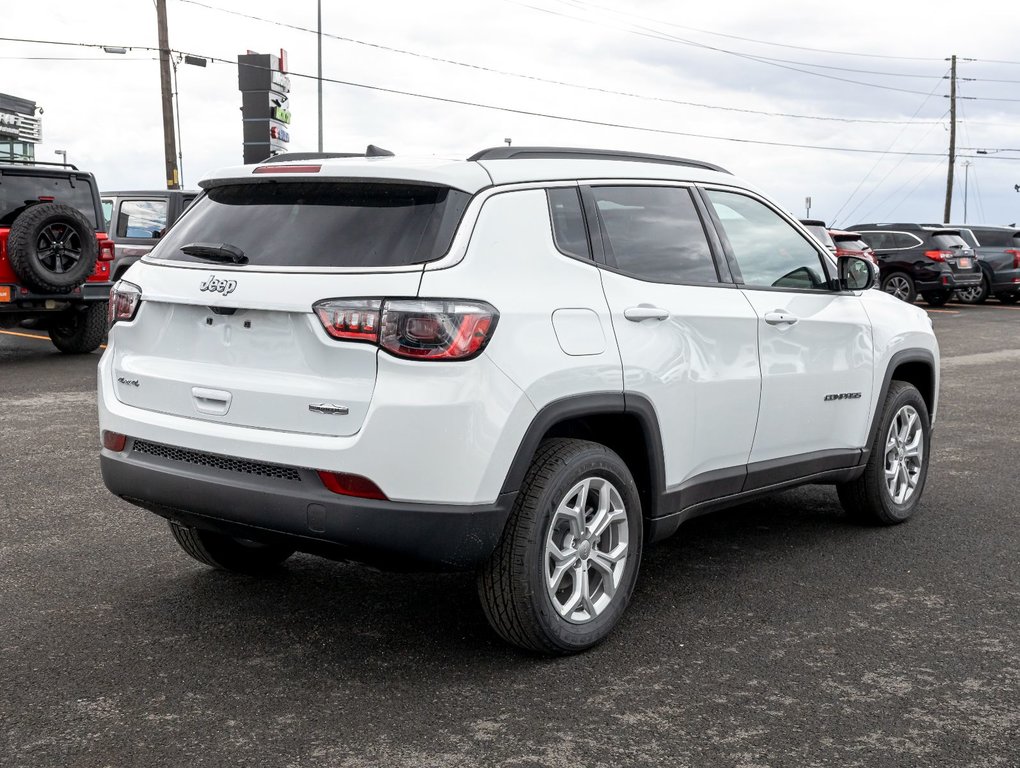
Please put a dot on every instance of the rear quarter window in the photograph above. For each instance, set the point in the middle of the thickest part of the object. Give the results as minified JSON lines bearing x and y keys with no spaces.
{"x":322,"y":224}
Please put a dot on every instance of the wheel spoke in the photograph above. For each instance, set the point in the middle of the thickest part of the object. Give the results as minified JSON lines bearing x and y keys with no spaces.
{"x":577,"y":593}
{"x":586,"y":600}
{"x":574,"y":513}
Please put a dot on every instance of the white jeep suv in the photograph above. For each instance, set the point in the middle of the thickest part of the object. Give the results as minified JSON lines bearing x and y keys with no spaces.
{"x":531,"y":363}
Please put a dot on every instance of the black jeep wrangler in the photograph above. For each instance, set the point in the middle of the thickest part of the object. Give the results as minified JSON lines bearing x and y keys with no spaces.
{"x":54,"y":254}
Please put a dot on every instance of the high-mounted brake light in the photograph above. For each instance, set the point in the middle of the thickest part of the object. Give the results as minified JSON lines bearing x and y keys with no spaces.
{"x":125,"y":299}
{"x":413,"y":329}
{"x":288,"y":169}
{"x":938,"y":255}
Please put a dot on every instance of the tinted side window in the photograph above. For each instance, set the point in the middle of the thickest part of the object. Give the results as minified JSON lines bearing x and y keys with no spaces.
{"x":141,"y":218}
{"x":655,"y":233}
{"x":768,"y":251}
{"x":107,"y":212}
{"x":569,"y":232}
{"x":999,"y":238}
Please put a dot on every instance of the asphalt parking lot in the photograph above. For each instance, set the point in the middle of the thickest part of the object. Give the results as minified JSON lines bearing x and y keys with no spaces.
{"x":773,"y":634}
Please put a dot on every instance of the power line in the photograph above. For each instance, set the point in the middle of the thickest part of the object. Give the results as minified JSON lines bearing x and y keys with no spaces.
{"x":760,"y":42}
{"x":535,"y":78}
{"x":513,"y":110}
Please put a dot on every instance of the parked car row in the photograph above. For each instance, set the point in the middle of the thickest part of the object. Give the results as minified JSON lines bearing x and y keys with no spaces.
{"x":935,"y":261}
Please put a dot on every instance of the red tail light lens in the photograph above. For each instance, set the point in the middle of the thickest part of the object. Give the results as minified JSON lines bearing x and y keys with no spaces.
{"x":125,"y":299}
{"x":106,"y":250}
{"x":351,"y":485}
{"x":351,"y":319}
{"x":1015,"y":252}
{"x":114,"y":441}
{"x":436,"y":329}
{"x":938,"y":255}
{"x":414,"y":329}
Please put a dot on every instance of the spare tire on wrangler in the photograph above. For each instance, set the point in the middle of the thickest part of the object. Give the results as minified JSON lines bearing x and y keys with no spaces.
{"x":52,"y":248}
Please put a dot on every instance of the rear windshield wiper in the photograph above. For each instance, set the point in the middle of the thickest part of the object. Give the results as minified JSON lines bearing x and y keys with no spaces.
{"x":225,"y":252}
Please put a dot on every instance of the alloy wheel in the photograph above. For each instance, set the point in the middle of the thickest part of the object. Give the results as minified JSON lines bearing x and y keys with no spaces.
{"x":586,"y":550}
{"x":898,"y":286}
{"x":904,"y":454}
{"x":58,"y":247}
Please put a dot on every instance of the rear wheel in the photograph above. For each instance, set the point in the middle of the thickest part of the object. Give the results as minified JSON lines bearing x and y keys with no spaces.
{"x":889,"y":490}
{"x":974,"y":294}
{"x":227,"y":553}
{"x":564,"y":570}
{"x":901,"y":286}
{"x":936,"y":298}
{"x":80,"y":331}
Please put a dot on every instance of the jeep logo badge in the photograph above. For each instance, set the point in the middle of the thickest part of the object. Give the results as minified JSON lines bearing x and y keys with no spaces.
{"x":218,"y":285}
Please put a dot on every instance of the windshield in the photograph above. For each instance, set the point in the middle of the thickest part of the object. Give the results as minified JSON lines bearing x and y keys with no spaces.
{"x":322,"y":224}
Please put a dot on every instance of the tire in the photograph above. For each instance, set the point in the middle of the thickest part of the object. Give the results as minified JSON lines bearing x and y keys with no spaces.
{"x":52,"y":248}
{"x":541,"y":538}
{"x":936,"y":298}
{"x":1009,"y":298}
{"x":869,"y":499}
{"x":229,"y":554}
{"x":977,"y":294}
{"x":80,"y":331}
{"x":900,"y":285}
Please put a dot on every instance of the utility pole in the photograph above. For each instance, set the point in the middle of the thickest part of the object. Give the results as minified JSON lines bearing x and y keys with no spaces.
{"x":173,"y":177}
{"x":320,"y":74}
{"x":966,"y":183}
{"x":952,"y":140}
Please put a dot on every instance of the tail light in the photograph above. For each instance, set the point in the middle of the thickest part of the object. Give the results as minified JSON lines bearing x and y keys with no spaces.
{"x":413,"y":329}
{"x":347,"y":484}
{"x":125,"y":299}
{"x":1015,"y":253}
{"x":106,"y":248}
{"x":938,"y":255}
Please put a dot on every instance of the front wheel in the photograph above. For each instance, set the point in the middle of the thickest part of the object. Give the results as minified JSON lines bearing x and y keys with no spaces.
{"x":80,"y":331}
{"x":889,"y":490}
{"x":227,"y":553}
{"x":563,"y":572}
{"x":901,"y":286}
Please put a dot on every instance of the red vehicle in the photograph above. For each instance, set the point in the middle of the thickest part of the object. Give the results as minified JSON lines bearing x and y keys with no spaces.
{"x":851,"y":244}
{"x":54,"y":254}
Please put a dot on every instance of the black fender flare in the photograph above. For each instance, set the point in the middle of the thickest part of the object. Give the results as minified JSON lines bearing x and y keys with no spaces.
{"x":922,"y":356}
{"x":594,"y":404}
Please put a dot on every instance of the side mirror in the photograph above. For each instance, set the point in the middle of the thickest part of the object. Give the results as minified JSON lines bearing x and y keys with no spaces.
{"x":856,"y":274}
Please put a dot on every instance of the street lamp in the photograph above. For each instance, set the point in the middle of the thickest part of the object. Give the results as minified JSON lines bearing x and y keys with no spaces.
{"x":62,"y":153}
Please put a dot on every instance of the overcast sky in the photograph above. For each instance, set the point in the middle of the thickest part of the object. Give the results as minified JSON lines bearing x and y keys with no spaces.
{"x":724,"y":82}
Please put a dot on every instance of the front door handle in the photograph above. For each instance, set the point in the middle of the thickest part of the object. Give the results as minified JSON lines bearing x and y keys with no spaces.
{"x":645,"y":312}
{"x":779,"y":317}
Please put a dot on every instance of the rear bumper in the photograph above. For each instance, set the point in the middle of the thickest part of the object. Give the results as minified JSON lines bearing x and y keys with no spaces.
{"x":949,"y":281}
{"x":299,"y":511}
{"x":29,"y":301}
{"x":1005,"y":281}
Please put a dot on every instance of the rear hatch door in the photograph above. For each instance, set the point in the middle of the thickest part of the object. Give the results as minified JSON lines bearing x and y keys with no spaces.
{"x":238,"y":343}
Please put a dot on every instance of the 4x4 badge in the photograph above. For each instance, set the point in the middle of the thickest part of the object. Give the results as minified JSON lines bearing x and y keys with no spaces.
{"x":218,"y":285}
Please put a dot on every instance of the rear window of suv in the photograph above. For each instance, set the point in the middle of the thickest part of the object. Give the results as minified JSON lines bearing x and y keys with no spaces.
{"x":322,"y":224}
{"x":19,"y":191}
{"x":948,"y":242}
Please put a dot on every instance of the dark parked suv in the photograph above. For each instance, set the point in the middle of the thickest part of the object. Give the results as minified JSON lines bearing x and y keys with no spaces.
{"x":998,"y":254}
{"x":137,"y":219}
{"x":921,"y":258}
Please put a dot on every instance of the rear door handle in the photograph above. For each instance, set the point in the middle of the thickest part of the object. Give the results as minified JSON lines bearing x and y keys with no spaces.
{"x":645,"y":312}
{"x":779,"y":317}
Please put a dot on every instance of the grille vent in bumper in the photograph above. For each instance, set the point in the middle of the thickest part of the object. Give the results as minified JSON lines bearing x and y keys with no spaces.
{"x":215,"y":461}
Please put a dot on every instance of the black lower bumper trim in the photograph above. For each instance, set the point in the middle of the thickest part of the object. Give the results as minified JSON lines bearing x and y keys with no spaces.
{"x":306,"y":516}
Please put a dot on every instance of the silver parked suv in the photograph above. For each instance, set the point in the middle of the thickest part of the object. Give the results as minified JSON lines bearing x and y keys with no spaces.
{"x":530,"y":364}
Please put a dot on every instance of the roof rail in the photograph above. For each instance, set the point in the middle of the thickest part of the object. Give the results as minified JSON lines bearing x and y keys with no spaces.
{"x":20,"y":161}
{"x":579,"y":153}
{"x":284,"y":157}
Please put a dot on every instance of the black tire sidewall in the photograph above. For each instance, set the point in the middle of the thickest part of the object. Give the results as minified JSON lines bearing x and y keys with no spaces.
{"x":892,"y":511}
{"x":592,"y":463}
{"x":23,"y":255}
